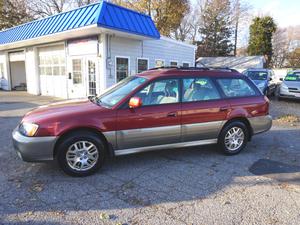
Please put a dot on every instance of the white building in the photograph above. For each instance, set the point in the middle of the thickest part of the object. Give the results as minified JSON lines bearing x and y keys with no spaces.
{"x":84,"y":51}
{"x":239,"y":63}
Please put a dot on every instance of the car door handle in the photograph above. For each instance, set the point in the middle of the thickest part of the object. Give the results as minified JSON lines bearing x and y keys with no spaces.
{"x":224,"y":109}
{"x":172,"y":114}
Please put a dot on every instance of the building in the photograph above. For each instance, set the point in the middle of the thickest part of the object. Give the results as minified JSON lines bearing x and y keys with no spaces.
{"x":84,"y":51}
{"x":240,"y":63}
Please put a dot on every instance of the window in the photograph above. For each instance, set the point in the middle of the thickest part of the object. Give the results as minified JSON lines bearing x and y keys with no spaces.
{"x":173,"y":63}
{"x":257,"y":75}
{"x":114,"y":95}
{"x":199,"y":89}
{"x":160,"y":92}
{"x":122,"y":68}
{"x":142,"y":65}
{"x":77,"y":71}
{"x":236,"y":87}
{"x":52,"y":63}
{"x":186,"y":65}
{"x":159,"y":63}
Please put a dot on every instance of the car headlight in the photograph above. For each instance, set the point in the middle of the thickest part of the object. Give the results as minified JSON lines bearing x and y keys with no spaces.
{"x":284,"y":87}
{"x":28,"y":129}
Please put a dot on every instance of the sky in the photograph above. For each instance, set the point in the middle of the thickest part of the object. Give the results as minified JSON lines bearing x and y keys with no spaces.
{"x":285,"y":12}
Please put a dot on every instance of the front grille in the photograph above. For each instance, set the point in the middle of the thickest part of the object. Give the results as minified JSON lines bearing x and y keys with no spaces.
{"x":294,"y":90}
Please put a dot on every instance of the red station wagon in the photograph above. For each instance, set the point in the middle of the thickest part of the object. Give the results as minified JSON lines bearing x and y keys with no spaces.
{"x":158,"y":109}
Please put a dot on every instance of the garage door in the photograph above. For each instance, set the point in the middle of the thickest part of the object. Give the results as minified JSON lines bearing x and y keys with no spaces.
{"x":52,"y":71}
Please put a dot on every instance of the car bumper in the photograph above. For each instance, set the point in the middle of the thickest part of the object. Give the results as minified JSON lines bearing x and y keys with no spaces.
{"x":261,"y":123}
{"x":34,"y":149}
{"x":289,"y":96}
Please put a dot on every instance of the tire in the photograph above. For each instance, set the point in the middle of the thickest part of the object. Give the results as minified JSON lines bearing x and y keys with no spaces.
{"x":224,"y":135}
{"x":85,"y":152}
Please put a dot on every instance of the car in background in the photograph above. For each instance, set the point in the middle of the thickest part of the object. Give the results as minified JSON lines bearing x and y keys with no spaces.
{"x":290,"y":86}
{"x":157,"y":109}
{"x":264,"y":79}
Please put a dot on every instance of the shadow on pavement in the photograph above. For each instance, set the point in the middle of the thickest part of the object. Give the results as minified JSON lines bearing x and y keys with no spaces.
{"x":7,"y":106}
{"x":147,"y":179}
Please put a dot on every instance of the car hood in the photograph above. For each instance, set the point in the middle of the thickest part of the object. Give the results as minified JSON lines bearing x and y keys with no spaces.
{"x":61,"y":109}
{"x":292,"y":84}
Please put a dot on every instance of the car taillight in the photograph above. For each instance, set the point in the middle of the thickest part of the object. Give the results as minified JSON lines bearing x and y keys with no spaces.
{"x":267,"y":105}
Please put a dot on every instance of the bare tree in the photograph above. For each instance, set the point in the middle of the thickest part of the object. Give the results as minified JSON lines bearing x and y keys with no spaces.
{"x":240,"y":17}
{"x":190,"y":24}
{"x":281,"y":44}
{"x":44,"y":8}
{"x":80,"y":3}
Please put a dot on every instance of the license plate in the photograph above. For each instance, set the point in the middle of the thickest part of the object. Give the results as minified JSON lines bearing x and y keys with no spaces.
{"x":297,"y":95}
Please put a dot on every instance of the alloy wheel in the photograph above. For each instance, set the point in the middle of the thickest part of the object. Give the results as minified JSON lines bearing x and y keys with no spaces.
{"x":234,"y":138}
{"x":82,"y":156}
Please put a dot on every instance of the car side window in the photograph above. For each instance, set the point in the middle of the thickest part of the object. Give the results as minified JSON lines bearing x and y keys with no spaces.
{"x":199,"y":89}
{"x":160,"y":92}
{"x":234,"y":87}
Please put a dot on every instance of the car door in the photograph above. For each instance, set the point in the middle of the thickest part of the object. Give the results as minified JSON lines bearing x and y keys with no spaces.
{"x":203,"y":110}
{"x":156,"y":122}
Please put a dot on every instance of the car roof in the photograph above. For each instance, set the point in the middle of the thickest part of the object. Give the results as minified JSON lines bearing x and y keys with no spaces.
{"x":191,"y":71}
{"x":257,"y":69}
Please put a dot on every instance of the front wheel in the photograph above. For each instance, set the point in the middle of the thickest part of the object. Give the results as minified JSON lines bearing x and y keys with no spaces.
{"x":81,"y":154}
{"x":233,"y":138}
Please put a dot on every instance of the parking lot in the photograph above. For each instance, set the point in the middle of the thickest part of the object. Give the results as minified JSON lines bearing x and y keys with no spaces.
{"x":197,"y":185}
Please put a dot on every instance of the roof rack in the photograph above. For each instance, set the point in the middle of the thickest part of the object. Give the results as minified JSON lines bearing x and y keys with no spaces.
{"x":225,"y":69}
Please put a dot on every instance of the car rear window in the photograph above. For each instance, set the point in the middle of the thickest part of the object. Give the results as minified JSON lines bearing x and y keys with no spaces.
{"x":257,"y":75}
{"x":236,"y":87}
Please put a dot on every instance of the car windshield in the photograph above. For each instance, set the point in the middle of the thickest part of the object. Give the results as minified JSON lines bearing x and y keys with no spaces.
{"x":116,"y":93}
{"x":257,"y":75}
{"x":292,"y":77}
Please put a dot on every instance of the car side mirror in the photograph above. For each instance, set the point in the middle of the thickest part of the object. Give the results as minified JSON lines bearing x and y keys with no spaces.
{"x":281,"y":79}
{"x":135,"y":102}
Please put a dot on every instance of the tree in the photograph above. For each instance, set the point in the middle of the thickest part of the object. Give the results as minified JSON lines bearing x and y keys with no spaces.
{"x":240,"y":16}
{"x":281,"y":44}
{"x":12,"y":13}
{"x":261,"y":34}
{"x":44,"y":8}
{"x":294,"y":59}
{"x":167,"y":14}
{"x":215,"y":30}
{"x":188,"y":29}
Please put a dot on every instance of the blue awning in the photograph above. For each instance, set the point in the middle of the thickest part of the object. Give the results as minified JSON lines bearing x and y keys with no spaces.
{"x":104,"y":14}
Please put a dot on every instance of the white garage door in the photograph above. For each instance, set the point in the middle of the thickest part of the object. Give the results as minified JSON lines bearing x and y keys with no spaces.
{"x":52,"y":70}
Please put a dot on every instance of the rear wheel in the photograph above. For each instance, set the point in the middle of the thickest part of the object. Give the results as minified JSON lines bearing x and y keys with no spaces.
{"x":233,"y":138}
{"x":81,"y":154}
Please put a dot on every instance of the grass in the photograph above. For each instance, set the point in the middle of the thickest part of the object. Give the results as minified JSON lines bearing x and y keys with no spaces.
{"x":288,"y":119}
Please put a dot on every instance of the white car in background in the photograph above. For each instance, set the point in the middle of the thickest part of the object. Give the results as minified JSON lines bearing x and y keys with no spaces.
{"x":290,"y":86}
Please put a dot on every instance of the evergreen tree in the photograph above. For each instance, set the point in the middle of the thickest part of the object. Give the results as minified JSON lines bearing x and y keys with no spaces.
{"x":261,"y":34}
{"x":216,"y":29}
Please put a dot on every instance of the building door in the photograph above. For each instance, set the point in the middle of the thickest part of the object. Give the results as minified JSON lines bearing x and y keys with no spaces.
{"x":52,"y":71}
{"x":82,"y":79}
{"x":91,"y":72}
